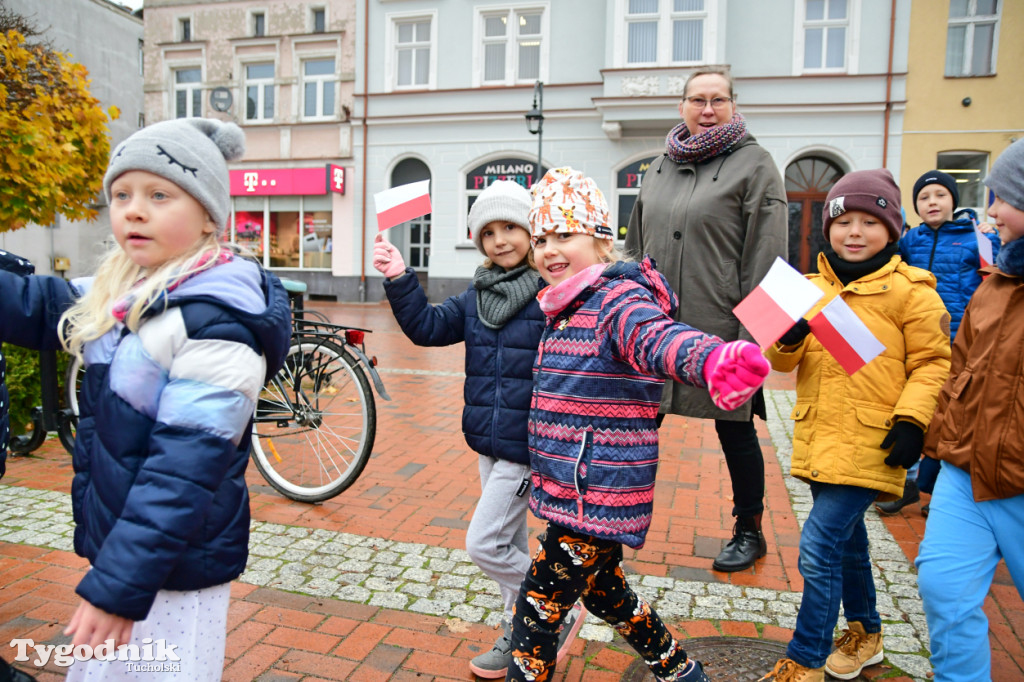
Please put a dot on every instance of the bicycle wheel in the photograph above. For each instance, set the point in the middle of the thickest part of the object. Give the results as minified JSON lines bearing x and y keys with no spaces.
{"x":315,"y":422}
{"x":67,"y":426}
{"x":31,"y":440}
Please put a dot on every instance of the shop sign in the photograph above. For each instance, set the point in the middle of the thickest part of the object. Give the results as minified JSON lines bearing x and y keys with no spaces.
{"x":516,"y":170}
{"x":335,"y":178}
{"x":278,"y":181}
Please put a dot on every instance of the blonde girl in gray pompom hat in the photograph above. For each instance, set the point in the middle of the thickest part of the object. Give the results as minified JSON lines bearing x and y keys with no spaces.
{"x":500,"y":322}
{"x":178,"y":334}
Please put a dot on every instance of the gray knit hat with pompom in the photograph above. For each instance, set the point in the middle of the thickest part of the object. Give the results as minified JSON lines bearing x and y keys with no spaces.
{"x":190,"y":152}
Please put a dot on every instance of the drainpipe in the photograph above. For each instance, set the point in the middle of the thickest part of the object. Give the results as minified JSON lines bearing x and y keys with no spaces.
{"x":888,"y":86}
{"x":366,"y":108}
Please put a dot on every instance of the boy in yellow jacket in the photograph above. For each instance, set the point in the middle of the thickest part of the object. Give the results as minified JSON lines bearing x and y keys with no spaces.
{"x":855,"y":436}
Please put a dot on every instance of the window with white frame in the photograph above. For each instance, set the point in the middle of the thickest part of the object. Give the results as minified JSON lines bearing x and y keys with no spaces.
{"x":188,"y":92}
{"x":825,"y":33}
{"x":412,"y":53}
{"x":667,"y":31}
{"x":318,"y":20}
{"x":185,"y":29}
{"x":971,"y":37}
{"x":319,"y":87}
{"x":259,"y":92}
{"x":510,"y":45}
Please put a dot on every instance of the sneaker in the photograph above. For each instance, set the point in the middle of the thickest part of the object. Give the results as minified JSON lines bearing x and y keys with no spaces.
{"x":855,"y":650}
{"x":788,"y":670}
{"x":911,"y":494}
{"x":494,"y":664}
{"x":570,"y":626}
{"x":692,"y":671}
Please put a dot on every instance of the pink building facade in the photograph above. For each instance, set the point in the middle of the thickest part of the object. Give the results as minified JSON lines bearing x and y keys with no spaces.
{"x":284,"y":71}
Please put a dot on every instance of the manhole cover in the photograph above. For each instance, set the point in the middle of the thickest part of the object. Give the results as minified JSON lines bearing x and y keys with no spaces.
{"x":725,"y":659}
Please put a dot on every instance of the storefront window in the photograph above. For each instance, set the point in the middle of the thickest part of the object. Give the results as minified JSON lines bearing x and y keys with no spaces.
{"x":249,"y":221}
{"x":627,"y":188}
{"x":274,"y":221}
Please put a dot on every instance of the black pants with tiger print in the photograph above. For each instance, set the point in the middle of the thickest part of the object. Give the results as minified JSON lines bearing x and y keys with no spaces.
{"x":568,"y":566}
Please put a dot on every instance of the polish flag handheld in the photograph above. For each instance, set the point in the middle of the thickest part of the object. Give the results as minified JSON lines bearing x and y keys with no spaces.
{"x":782,"y":298}
{"x":402,"y":203}
{"x":843,"y":335}
{"x":984,"y":246}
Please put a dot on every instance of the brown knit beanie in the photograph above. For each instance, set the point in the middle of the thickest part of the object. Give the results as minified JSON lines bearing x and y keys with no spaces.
{"x":871,"y":191}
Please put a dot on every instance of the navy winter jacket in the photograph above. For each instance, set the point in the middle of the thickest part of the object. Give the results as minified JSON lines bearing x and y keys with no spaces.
{"x":499,"y":362}
{"x":159,"y":494}
{"x":951,"y":254}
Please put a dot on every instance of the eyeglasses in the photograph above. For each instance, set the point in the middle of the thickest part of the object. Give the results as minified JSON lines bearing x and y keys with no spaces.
{"x":699,"y":102}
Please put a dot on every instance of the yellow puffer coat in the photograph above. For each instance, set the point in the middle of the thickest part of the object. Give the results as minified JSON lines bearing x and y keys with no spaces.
{"x":841,"y":420}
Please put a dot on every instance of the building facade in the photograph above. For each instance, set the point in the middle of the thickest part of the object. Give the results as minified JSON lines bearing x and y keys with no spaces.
{"x":284,"y":72}
{"x":965,"y":103}
{"x":81,"y":28}
{"x":442,"y":88}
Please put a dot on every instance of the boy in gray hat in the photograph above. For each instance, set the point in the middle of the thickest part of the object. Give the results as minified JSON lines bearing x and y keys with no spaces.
{"x":977,"y":507}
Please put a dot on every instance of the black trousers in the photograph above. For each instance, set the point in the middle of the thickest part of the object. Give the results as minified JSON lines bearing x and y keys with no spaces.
{"x":745,"y":461}
{"x":570,"y":565}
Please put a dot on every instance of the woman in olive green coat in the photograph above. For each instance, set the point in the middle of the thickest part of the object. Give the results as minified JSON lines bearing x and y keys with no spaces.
{"x":712,"y":212}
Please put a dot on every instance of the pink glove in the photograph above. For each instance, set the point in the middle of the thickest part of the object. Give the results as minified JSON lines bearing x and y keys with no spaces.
{"x":386,"y":258}
{"x":733,"y":372}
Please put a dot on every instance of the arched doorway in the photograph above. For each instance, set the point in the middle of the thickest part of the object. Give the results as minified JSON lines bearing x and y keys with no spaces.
{"x":412,"y":238}
{"x":808,"y":181}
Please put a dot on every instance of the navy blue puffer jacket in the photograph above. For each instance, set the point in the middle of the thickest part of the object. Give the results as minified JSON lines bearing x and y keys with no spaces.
{"x":499,"y":362}
{"x":951,"y":254}
{"x":159,"y":494}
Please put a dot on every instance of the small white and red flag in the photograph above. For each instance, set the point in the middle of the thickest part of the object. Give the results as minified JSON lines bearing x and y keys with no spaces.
{"x":402,"y":203}
{"x":984,"y":247}
{"x":775,"y":305}
{"x":843,"y":335}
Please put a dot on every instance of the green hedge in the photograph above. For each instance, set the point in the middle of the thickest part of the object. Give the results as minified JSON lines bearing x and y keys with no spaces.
{"x":23,"y":384}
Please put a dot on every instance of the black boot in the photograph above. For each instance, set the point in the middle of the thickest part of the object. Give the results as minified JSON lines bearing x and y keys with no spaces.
{"x":910,"y":495}
{"x":746,"y":546}
{"x":9,"y":673}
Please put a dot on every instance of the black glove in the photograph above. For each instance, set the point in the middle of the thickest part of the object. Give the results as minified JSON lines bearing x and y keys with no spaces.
{"x":906,"y":440}
{"x":796,"y":333}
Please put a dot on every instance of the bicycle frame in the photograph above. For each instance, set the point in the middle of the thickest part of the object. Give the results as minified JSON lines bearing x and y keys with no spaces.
{"x":340,"y":335}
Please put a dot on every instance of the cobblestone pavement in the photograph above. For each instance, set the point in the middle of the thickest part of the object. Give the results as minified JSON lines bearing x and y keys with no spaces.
{"x":350,"y":588}
{"x":420,"y":578}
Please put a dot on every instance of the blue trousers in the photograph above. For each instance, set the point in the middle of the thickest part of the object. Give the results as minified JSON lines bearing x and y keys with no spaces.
{"x":836,"y":568}
{"x":963,"y":542}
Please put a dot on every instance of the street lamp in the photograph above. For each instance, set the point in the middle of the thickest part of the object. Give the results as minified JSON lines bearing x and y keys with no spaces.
{"x":535,"y":121}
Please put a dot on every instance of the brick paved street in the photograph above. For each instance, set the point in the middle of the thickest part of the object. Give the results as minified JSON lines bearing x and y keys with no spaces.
{"x":375,"y":584}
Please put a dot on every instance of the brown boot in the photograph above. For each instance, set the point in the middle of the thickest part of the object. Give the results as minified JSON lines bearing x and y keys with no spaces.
{"x":855,"y":650}
{"x":788,"y":670}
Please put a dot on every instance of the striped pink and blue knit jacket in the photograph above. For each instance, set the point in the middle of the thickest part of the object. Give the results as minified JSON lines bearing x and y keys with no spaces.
{"x":597,"y":385}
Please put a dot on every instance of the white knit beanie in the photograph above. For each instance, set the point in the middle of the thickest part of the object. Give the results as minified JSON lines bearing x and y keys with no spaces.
{"x":503,"y":200}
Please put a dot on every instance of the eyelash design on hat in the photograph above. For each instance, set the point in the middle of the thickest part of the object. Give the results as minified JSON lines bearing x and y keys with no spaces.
{"x":172,"y":160}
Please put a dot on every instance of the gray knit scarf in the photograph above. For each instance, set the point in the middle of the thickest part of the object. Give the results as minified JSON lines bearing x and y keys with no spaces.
{"x":500,"y":294}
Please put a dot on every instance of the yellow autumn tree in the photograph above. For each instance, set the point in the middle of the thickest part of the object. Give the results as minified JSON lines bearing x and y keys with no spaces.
{"x":53,"y":132}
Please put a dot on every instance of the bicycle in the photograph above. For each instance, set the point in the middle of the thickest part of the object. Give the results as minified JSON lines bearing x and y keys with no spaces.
{"x":49,"y":417}
{"x":316,"y":419}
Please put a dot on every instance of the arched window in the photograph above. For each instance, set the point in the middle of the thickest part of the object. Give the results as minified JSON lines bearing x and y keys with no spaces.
{"x":413,"y":237}
{"x":627,"y":188}
{"x":808,"y":181}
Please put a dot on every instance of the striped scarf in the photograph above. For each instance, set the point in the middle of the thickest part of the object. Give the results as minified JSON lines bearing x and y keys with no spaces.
{"x":124,"y":304}
{"x":685,"y":148}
